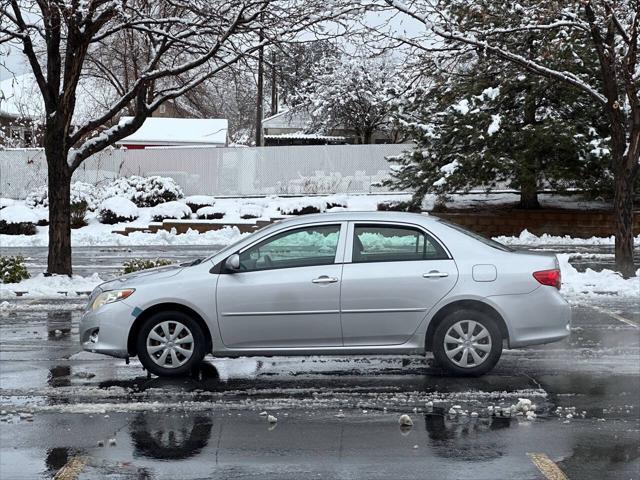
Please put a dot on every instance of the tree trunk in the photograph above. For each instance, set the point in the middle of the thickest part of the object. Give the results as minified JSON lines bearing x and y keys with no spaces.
{"x":623,"y":213}
{"x":529,"y":195}
{"x":59,"y":175}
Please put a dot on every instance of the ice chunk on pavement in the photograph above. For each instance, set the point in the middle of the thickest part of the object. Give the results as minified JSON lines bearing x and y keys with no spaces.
{"x":272,"y":419}
{"x":405,"y":420}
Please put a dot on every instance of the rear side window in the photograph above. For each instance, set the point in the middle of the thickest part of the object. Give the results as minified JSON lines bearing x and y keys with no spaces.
{"x":478,"y":237}
{"x":392,"y":243}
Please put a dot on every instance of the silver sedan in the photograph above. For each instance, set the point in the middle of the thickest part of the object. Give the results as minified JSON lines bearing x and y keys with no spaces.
{"x":335,"y":284}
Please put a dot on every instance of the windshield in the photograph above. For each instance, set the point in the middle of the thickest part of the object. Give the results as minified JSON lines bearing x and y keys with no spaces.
{"x":477,"y":236}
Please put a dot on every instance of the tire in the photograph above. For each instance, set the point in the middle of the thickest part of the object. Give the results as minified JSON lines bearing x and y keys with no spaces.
{"x":451,"y":355}
{"x":188,"y":348}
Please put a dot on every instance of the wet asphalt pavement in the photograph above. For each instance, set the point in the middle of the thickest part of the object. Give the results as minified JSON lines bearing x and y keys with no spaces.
{"x":337,"y":416}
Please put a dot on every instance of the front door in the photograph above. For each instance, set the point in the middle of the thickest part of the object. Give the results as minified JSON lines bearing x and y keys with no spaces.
{"x":396,"y":275}
{"x":287,"y":292}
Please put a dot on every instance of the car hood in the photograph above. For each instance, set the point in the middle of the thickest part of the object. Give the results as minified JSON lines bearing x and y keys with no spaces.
{"x":143,"y":276}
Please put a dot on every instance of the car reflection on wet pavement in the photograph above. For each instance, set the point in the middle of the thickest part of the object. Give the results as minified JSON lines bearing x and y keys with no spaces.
{"x":337,"y":416}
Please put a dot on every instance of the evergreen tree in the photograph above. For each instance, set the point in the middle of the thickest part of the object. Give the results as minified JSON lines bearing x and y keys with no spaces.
{"x":487,"y":124}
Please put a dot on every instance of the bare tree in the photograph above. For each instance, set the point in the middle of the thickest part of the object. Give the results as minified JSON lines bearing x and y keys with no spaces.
{"x":169,"y":47}
{"x":608,"y":28}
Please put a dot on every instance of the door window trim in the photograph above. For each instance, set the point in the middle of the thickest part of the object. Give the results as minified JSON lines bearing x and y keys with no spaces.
{"x":348,"y":255}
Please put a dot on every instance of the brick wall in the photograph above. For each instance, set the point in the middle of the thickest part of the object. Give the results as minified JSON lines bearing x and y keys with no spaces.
{"x":575,"y":223}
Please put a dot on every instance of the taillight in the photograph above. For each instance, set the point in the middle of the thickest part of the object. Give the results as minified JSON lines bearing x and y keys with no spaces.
{"x":549,"y":277}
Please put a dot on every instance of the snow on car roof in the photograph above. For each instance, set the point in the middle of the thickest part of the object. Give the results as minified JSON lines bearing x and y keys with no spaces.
{"x":178,"y":131}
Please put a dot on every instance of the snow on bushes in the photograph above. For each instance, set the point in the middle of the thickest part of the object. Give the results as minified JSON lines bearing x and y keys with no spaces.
{"x":116,"y":210}
{"x":144,"y":191}
{"x":13,"y":269}
{"x":80,"y":192}
{"x":196,"y":202}
{"x":302,"y":206}
{"x":210,"y":213}
{"x":250,"y":211}
{"x":18,"y":220}
{"x":137,"y":264}
{"x":173,"y":210}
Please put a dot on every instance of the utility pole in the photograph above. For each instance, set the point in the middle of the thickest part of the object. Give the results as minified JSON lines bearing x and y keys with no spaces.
{"x":274,"y":84}
{"x":260,"y":99}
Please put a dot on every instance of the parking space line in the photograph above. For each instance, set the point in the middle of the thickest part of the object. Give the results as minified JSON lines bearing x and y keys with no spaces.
{"x":620,"y":318}
{"x":71,"y":469}
{"x":547,"y":467}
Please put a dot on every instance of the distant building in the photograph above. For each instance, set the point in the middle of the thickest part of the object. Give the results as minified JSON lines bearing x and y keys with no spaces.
{"x":19,"y":112}
{"x":174,"y":132}
{"x":291,"y":128}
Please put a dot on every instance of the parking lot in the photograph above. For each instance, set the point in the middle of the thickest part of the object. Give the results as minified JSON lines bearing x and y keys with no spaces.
{"x":86,"y":416}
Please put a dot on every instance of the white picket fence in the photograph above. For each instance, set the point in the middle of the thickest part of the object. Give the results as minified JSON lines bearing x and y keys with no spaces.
{"x":220,"y":171}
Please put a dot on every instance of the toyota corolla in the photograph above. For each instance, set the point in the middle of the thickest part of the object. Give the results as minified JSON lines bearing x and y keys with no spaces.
{"x":335,"y":284}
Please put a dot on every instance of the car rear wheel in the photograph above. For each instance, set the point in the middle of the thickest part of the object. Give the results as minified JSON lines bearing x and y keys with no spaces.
{"x":467,"y":342}
{"x":171,"y":344}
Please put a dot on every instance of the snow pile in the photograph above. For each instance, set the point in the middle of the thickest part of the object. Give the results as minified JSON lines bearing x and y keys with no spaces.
{"x":606,"y":282}
{"x":117,"y":209}
{"x":302,"y":205}
{"x":177,"y":210}
{"x":80,"y":192}
{"x":528,"y":238}
{"x":15,"y":214}
{"x":6,"y":202}
{"x":495,"y":124}
{"x":41,"y":286}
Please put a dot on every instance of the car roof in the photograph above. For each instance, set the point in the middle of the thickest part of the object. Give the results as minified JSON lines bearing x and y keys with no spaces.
{"x":360,"y":216}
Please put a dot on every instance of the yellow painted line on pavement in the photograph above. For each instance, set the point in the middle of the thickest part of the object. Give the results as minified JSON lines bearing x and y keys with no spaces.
{"x":547,"y":467}
{"x":71,"y":469}
{"x":620,"y":318}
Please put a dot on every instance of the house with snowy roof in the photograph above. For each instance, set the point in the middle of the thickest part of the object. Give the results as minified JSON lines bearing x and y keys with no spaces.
{"x":178,"y":132}
{"x":291,"y":127}
{"x":20,"y":111}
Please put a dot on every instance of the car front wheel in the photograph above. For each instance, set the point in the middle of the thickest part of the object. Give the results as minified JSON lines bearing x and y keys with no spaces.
{"x":467,"y":342}
{"x":171,"y":344}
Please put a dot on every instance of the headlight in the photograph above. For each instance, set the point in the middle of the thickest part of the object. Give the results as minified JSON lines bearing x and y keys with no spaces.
{"x":110,"y":297}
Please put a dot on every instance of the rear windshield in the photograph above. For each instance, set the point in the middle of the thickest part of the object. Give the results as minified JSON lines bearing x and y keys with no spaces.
{"x":477,"y":236}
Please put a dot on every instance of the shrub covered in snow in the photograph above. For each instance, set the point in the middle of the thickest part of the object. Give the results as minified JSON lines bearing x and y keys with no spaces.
{"x":196,"y":202}
{"x":174,"y":210}
{"x":80,"y":192}
{"x":116,"y":210}
{"x":12,"y":269}
{"x":210,"y":213}
{"x":18,"y":220}
{"x":303,"y":206}
{"x":38,"y":197}
{"x":144,"y":191}
{"x":137,"y":264}
{"x":250,"y":210}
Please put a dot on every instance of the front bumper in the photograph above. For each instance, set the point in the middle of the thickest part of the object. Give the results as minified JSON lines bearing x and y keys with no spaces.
{"x":112,"y":323}
{"x":542,"y":316}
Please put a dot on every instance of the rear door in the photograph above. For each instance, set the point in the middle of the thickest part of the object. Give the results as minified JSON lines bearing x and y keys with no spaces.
{"x":393,"y":275}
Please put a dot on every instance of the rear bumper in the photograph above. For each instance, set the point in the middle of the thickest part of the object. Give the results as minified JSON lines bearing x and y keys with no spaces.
{"x":112,"y":323}
{"x":542,"y":316}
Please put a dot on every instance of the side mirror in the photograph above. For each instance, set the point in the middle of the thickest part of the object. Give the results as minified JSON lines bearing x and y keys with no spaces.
{"x":232,"y":263}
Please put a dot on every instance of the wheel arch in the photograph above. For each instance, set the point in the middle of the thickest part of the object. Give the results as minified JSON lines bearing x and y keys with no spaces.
{"x":464,"y":304}
{"x":163,"y":307}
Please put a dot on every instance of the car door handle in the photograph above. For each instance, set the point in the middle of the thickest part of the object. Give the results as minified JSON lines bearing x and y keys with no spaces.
{"x":324,"y":279}
{"x":435,"y":274}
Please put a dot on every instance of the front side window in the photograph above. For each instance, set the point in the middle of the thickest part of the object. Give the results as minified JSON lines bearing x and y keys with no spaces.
{"x":381,"y":243}
{"x":301,"y":247}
